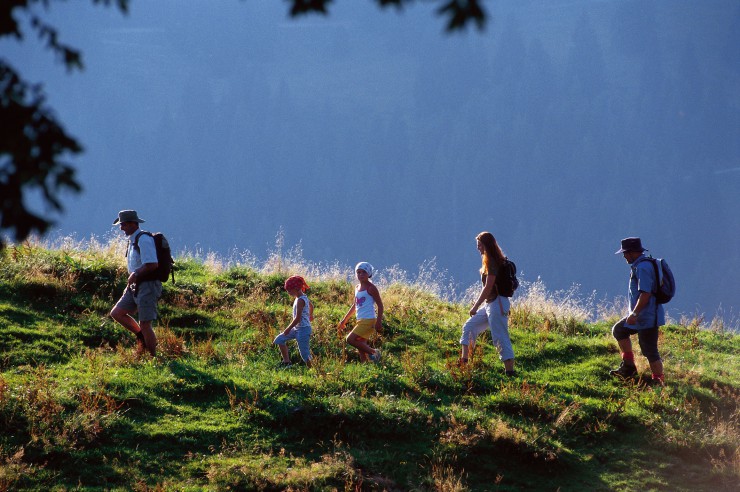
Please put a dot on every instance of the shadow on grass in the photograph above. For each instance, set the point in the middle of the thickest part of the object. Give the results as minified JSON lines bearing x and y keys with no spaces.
{"x":562,"y":354}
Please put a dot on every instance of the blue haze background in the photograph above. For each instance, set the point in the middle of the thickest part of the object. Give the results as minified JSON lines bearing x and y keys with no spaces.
{"x":371,"y":134}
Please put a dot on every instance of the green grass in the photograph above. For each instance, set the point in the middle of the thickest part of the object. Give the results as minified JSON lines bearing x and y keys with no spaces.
{"x":213,"y":412}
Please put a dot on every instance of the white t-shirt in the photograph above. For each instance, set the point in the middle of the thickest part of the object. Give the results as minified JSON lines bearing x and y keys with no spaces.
{"x":147,"y":251}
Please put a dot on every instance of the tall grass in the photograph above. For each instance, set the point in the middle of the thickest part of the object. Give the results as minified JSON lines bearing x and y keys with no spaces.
{"x":563,"y":308}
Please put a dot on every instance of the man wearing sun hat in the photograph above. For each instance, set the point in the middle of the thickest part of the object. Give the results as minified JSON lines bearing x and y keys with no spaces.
{"x":644,"y":317}
{"x":139,"y":296}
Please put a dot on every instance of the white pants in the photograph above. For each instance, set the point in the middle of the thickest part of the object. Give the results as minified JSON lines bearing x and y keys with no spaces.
{"x":494,"y":316}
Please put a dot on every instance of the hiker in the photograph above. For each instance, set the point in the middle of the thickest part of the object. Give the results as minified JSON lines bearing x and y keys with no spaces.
{"x":644,"y":317}
{"x":300,"y":328}
{"x":490,"y":309}
{"x":141,"y":293}
{"x":366,"y":298}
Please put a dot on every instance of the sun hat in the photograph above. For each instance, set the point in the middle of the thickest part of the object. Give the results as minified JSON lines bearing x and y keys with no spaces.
{"x":296,"y":282}
{"x":367,"y":267}
{"x":128,"y":216}
{"x":631,"y":244}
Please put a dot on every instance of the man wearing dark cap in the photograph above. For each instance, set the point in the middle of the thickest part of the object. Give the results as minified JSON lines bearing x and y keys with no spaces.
{"x":141,"y":293}
{"x":644,"y":317}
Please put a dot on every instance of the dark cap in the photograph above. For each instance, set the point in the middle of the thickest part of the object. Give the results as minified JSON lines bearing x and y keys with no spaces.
{"x":631,"y":244}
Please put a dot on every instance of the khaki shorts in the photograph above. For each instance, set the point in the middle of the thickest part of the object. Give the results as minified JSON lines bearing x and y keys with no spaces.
{"x":364,"y":328}
{"x":145,"y":300}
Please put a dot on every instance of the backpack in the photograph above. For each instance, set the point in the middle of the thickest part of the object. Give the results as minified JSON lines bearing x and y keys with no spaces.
{"x":666,"y":284}
{"x":165,"y":262}
{"x":506,"y":281}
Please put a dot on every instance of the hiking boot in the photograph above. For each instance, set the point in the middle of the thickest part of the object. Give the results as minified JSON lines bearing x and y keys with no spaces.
{"x":624,"y":371}
{"x":284,"y":365}
{"x":376,"y":356}
{"x":511,"y":374}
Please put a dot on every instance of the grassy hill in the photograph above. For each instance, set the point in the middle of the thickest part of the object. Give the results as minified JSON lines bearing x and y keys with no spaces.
{"x":214,"y":412}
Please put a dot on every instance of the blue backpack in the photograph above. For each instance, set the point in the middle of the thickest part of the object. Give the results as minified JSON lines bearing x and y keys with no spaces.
{"x":666,"y":284}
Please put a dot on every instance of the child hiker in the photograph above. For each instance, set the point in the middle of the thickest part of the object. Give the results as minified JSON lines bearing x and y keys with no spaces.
{"x":300,"y":328}
{"x":366,"y":297}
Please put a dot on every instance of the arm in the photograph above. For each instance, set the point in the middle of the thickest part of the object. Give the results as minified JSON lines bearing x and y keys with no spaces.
{"x":642,"y":303}
{"x":373,"y":291}
{"x":145,"y":268}
{"x":346,"y":317}
{"x":485,"y":293}
{"x":297,"y":318}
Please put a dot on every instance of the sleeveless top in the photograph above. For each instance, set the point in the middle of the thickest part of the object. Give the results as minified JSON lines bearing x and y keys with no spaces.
{"x":305,"y":314}
{"x":365,"y":305}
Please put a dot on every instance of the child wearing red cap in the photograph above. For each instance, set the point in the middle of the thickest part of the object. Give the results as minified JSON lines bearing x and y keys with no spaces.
{"x":300,"y":328}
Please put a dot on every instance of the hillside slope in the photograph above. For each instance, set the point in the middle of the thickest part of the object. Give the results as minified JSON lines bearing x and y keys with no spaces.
{"x":214,"y":412}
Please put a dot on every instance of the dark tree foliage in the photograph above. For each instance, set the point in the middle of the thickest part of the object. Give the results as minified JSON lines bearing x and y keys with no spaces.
{"x":458,"y":12}
{"x":33,"y":143}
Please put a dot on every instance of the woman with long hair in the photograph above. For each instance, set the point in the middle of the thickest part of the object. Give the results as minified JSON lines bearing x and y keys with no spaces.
{"x":490,"y":309}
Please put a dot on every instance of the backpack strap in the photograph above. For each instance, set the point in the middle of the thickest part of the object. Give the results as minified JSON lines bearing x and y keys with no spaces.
{"x":654,"y":262}
{"x":136,"y":241}
{"x":135,"y":244}
{"x":658,"y":273}
{"x":658,"y":276}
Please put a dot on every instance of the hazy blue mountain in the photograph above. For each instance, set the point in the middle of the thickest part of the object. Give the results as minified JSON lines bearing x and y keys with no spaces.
{"x":564,"y":127}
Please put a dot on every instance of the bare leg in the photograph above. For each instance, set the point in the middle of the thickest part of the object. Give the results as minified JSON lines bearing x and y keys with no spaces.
{"x":284,"y":352}
{"x":625,"y":345}
{"x":361,"y":345}
{"x":149,"y":337}
{"x":124,"y":318}
{"x":127,"y":321}
{"x":466,"y":350}
{"x":509,"y":365}
{"x":657,"y":367}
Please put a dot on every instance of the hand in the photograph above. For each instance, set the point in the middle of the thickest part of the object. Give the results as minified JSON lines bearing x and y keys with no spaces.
{"x":631,"y":319}
{"x":473,"y":310}
{"x":341,"y":326}
{"x":378,"y":326}
{"x":131,"y":279}
{"x":287,"y":331}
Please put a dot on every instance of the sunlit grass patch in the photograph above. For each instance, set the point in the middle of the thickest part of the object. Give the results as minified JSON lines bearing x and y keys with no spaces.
{"x":53,"y":416}
{"x":282,"y":470}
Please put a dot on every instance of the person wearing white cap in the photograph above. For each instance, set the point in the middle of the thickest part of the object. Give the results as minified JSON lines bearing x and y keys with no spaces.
{"x":368,"y":323}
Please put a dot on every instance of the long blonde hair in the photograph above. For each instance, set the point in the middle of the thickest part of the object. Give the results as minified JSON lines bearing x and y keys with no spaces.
{"x":492,"y":256}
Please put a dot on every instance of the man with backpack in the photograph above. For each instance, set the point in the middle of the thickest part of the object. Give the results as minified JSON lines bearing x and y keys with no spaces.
{"x":143,"y":289}
{"x":645,"y":314}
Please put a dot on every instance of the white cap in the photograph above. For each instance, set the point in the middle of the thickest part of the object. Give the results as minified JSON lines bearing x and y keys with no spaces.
{"x":363,"y":265}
